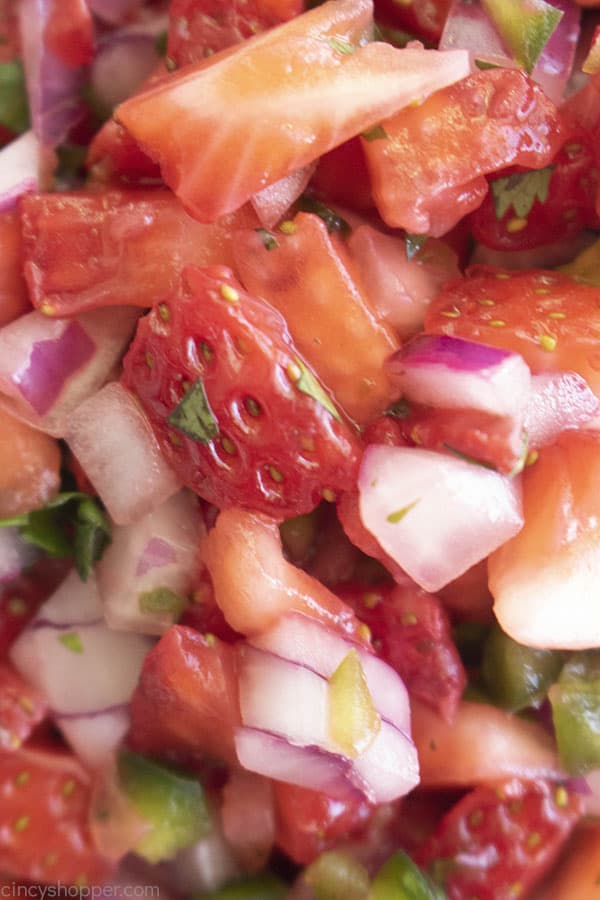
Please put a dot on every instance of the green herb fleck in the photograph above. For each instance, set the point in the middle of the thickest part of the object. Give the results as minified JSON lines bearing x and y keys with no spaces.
{"x":520,"y":191}
{"x":341,"y":46}
{"x":269,"y":242}
{"x":484,"y":65}
{"x":162,"y":600}
{"x":377,"y":133}
{"x":333,"y":221}
{"x":399,"y":410}
{"x":308,"y":384}
{"x":470,"y":459}
{"x":193,"y":415}
{"x":401,"y":877}
{"x":160,"y":43}
{"x":71,"y":641}
{"x":14,"y":110}
{"x":414,"y":242}
{"x":399,"y":514}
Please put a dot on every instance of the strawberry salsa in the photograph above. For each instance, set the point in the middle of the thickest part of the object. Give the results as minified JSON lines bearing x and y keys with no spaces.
{"x":300,"y":448}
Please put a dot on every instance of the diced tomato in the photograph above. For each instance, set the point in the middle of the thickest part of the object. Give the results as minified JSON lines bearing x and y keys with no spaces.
{"x":576,"y":875}
{"x":21,"y":709}
{"x":21,"y":598}
{"x":200,"y":28}
{"x":309,"y":822}
{"x":411,"y":632}
{"x":29,"y":467}
{"x":308,"y":276}
{"x":569,"y":207}
{"x":205,"y":616}
{"x":239,"y":415}
{"x":43,"y":819}
{"x":13,"y":289}
{"x":423,"y":18}
{"x":114,"y":153}
{"x":428,"y":164}
{"x":115,"y":247}
{"x":255,"y":585}
{"x":185,"y":707}
{"x":468,"y":597}
{"x":543,"y":580}
{"x":69,"y":32}
{"x":342,"y":176}
{"x":307,"y":67}
{"x":482,"y":744}
{"x":500,"y":840}
{"x":547,"y":317}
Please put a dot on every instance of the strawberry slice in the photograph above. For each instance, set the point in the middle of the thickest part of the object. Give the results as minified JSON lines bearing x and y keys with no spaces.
{"x":21,"y":709}
{"x":298,"y":90}
{"x":411,"y":632}
{"x":499,"y":840}
{"x":21,"y":598}
{"x":239,"y":415}
{"x":44,"y":835}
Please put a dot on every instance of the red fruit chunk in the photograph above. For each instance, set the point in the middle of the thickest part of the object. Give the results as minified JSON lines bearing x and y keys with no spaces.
{"x":423,"y":18}
{"x":43,"y":819}
{"x":21,"y":598}
{"x":428,"y":166}
{"x":410,"y":631}
{"x":547,"y":317}
{"x":113,"y":152}
{"x":342,"y":176}
{"x":239,"y":415}
{"x":13,"y":290}
{"x":21,"y":709}
{"x":499,"y":841}
{"x":29,"y":467}
{"x":349,"y":515}
{"x":185,"y":706}
{"x":126,"y":247}
{"x":69,"y":32}
{"x":310,"y":822}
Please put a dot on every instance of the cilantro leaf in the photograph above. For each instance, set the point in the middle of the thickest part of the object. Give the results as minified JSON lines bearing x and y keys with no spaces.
{"x":14,"y":109}
{"x":520,"y":191}
{"x":329,"y":216}
{"x":341,"y":46}
{"x":308,"y":384}
{"x":376,"y":133}
{"x":194,"y":416}
{"x":72,"y":524}
{"x":414,"y":242}
{"x":268,"y":239}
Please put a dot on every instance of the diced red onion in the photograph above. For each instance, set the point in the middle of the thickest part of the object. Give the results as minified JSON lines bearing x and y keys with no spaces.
{"x":435,"y":515}
{"x":302,"y":640}
{"x":86,"y":671}
{"x":272,"y":203}
{"x":207,"y":865}
{"x":114,"y":11}
{"x":15,"y":554}
{"x":442,"y":371}
{"x":124,"y":60}
{"x":398,"y":288}
{"x":279,"y":697}
{"x":48,"y":366}
{"x":53,"y":87}
{"x":591,"y":64}
{"x":116,"y":447}
{"x":248,"y":817}
{"x":592,"y":796}
{"x":553,"y":68}
{"x":557,"y":401}
{"x":19,"y":169}
{"x":159,"y":551}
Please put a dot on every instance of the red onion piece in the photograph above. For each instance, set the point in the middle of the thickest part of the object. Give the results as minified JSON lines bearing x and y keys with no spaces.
{"x":48,"y":367}
{"x":207,"y":865}
{"x":86,"y":671}
{"x":248,"y":817}
{"x":160,"y":551}
{"x":19,"y":169}
{"x":308,"y":643}
{"x":112,"y":440}
{"x":53,"y":87}
{"x":124,"y":60}
{"x":435,"y":515}
{"x":448,"y":372}
{"x":591,"y":64}
{"x":282,"y":698}
{"x":15,"y":554}
{"x":114,"y":11}
{"x":558,"y":401}
{"x":553,"y":68}
{"x":272,"y":203}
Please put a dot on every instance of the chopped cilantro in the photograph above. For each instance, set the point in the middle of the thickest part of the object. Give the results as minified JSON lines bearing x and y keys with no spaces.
{"x":193,"y":415}
{"x":470,"y":459}
{"x":520,"y":191}
{"x":333,"y":221}
{"x":341,"y":46}
{"x":308,"y":384}
{"x":72,"y":641}
{"x":399,"y":514}
{"x":269,"y":242}
{"x":14,"y":110}
{"x":399,"y":410}
{"x":376,"y":133}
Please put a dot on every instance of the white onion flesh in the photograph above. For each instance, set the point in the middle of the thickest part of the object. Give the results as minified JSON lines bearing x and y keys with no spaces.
{"x":19,"y":169}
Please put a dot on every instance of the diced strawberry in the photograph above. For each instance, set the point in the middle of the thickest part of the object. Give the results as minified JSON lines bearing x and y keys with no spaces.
{"x":255,"y":585}
{"x":411,"y":632}
{"x":43,"y":819}
{"x":499,"y":840}
{"x":342,"y":176}
{"x":310,"y":822}
{"x":13,"y":290}
{"x":122,"y":247}
{"x":185,"y":707}
{"x":308,"y":275}
{"x":21,"y":709}
{"x":239,"y":415}
{"x":29,"y":467}
{"x":349,"y":515}
{"x":114,"y":153}
{"x":21,"y":598}
{"x":423,"y":18}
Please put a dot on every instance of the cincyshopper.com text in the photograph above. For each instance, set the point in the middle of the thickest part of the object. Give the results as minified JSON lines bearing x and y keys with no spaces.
{"x":94,"y":892}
